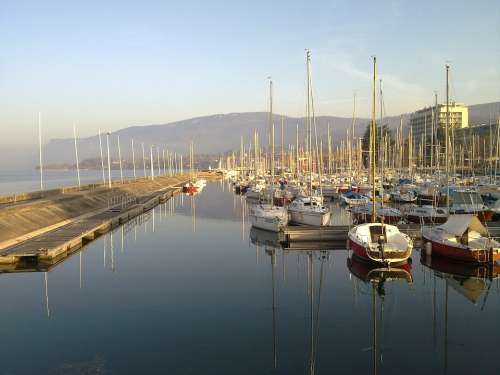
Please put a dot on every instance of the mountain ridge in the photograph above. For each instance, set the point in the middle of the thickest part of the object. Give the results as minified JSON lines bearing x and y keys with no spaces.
{"x":218,"y":133}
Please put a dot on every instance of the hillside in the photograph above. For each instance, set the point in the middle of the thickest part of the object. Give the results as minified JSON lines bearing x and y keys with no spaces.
{"x":219,"y":133}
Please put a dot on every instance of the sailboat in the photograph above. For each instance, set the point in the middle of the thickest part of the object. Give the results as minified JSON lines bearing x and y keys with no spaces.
{"x":426,"y":215}
{"x":378,"y":242}
{"x":192,"y":187}
{"x":462,"y":237}
{"x":268,"y":216}
{"x":307,"y":210}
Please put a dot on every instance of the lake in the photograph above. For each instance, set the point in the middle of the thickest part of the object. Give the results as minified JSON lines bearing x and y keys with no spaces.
{"x":189,"y":288}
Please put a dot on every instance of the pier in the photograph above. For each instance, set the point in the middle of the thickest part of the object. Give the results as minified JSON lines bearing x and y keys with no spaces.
{"x":45,"y":226}
{"x":297,"y":237}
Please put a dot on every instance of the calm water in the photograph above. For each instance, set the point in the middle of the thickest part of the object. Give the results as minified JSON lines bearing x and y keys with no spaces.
{"x":190,"y":290}
{"x":25,"y":181}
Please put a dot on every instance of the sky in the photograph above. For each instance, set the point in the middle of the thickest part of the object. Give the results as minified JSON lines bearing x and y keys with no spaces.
{"x":112,"y":64}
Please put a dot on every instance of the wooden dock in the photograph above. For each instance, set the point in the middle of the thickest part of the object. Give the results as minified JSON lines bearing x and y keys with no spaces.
{"x":52,"y":245}
{"x":337,"y":234}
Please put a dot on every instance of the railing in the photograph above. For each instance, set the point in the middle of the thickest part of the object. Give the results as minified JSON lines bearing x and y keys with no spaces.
{"x":25,"y":196}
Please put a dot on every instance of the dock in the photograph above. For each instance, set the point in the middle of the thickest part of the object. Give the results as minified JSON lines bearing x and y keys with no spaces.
{"x":25,"y":238}
{"x":336,"y":235}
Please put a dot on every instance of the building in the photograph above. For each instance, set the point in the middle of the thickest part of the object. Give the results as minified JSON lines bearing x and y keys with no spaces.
{"x":421,"y":120}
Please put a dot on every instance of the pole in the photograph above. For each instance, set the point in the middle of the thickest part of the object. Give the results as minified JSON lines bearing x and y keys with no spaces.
{"x":102,"y":159}
{"x":40,"y":148}
{"x":158,"y":160}
{"x":151,"y":163}
{"x":109,"y":160}
{"x":143,"y":159}
{"x":120,"y":157}
{"x":76,"y":155}
{"x":164,"y":165}
{"x":133,"y":158}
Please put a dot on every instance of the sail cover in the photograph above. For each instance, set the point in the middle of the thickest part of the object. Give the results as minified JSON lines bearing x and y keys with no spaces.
{"x":458,"y":224}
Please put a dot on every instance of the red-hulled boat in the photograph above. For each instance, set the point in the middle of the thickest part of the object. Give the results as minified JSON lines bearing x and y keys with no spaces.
{"x":190,"y":188}
{"x":380,"y":243}
{"x":463,"y":238}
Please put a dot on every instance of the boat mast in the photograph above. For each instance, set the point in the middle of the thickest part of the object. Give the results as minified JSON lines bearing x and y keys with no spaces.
{"x":497,"y":148}
{"x":373,"y":139}
{"x":380,"y":148}
{"x":308,"y":120}
{"x":271,"y":124}
{"x":446,"y":140}
{"x":283,"y":146}
{"x":297,"y":156}
{"x":353,"y":122}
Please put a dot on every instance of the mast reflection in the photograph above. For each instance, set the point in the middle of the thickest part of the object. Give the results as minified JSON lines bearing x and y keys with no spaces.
{"x":377,"y":277}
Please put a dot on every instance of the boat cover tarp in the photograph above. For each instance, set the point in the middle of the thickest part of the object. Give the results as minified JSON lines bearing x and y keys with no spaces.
{"x":458,"y":225}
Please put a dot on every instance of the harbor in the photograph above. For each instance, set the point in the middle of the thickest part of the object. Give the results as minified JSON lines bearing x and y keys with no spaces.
{"x":287,"y":304}
{"x":233,"y":188}
{"x":377,"y":221}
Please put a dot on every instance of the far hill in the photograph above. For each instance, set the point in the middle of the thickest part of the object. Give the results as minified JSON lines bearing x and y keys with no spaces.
{"x":220,"y":133}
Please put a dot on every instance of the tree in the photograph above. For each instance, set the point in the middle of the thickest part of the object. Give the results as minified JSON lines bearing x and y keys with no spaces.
{"x":379,"y":137}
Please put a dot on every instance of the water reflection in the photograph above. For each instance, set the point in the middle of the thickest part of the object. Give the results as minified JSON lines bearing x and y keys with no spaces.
{"x":469,"y":280}
{"x":377,"y":277}
{"x":314,"y":291}
{"x":175,"y":298}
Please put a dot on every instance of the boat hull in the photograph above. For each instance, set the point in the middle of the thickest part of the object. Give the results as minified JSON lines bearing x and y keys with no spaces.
{"x":310,"y":218}
{"x":361,"y":218}
{"x":361,"y":251}
{"x":267,"y":223}
{"x":460,"y":253}
{"x":426,"y":219}
{"x":190,"y":189}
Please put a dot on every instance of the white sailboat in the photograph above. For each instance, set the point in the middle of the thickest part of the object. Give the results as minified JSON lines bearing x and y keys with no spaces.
{"x":378,"y":242}
{"x":268,"y":216}
{"x":307,"y":210}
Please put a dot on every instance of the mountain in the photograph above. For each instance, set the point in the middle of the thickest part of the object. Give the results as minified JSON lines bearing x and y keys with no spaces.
{"x":220,"y":133}
{"x":210,"y":134}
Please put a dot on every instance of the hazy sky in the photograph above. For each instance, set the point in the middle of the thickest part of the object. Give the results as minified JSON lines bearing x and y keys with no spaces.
{"x":112,"y":64}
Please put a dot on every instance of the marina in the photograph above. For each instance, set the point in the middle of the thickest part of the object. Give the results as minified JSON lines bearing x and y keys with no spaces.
{"x":292,"y":307}
{"x":276,"y":188}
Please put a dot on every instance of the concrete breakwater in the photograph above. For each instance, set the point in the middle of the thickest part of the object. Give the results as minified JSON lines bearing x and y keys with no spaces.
{"x":47,"y":226}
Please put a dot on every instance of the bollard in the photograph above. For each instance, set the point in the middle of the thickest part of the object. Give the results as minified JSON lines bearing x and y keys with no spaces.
{"x":428,"y":248}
